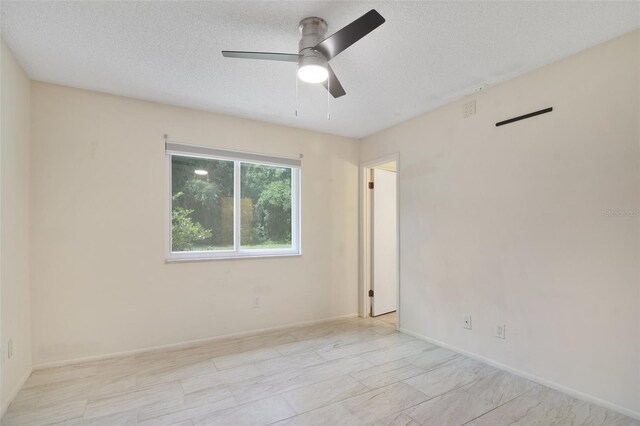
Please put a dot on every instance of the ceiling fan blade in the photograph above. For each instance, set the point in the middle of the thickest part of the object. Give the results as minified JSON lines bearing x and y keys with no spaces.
{"x":333,"y":84}
{"x":339,"y":41}
{"x":268,"y":56}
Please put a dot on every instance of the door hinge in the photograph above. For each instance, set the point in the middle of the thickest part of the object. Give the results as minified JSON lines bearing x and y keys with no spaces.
{"x":370,"y":293}
{"x":370,"y":185}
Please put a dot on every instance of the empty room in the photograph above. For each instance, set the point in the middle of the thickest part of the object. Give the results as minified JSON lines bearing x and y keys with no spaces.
{"x":320,"y":213}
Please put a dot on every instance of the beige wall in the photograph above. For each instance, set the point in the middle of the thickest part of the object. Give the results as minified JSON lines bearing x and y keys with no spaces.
{"x":509,"y":225}
{"x":99,"y":278}
{"x":15,"y":313}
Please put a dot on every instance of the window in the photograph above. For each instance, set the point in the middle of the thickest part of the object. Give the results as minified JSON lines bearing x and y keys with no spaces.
{"x":231,"y":204}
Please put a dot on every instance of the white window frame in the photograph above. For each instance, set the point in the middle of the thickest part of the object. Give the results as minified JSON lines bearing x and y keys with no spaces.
{"x":238,"y":157}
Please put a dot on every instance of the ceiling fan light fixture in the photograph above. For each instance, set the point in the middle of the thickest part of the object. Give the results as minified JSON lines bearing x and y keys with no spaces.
{"x":312,"y":67}
{"x":315,"y":50}
{"x":313,"y":73}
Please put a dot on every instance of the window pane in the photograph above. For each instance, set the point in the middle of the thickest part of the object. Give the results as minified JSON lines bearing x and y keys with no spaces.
{"x":202,"y":207}
{"x":266,"y":207}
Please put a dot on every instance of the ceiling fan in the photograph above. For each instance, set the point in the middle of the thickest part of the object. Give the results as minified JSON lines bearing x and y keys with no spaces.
{"x":315,"y":51}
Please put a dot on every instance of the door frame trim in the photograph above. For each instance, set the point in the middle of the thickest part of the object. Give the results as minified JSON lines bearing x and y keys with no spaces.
{"x":364,"y":303}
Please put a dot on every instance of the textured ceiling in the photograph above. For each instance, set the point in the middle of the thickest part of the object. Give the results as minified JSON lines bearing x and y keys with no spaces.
{"x":425,"y":55}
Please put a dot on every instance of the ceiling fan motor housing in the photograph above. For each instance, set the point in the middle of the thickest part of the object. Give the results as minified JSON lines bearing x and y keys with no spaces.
{"x":312,"y":32}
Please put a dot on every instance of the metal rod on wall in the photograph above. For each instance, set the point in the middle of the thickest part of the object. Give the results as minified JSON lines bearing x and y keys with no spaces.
{"x":522,"y":117}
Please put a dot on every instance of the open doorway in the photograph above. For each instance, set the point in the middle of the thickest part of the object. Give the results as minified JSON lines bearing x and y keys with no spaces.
{"x":380,"y":253}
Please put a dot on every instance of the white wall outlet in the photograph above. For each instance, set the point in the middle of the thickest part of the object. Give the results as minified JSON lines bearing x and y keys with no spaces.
{"x":467,"y":322}
{"x":256,"y":302}
{"x":500,"y":331}
{"x":469,"y":109}
{"x":10,"y":349}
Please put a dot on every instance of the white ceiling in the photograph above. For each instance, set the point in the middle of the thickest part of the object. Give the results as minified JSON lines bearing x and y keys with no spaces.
{"x":425,"y":55}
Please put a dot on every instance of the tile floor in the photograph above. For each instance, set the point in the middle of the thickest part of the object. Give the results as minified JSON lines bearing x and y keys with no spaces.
{"x":349,"y":372}
{"x":390,"y":318}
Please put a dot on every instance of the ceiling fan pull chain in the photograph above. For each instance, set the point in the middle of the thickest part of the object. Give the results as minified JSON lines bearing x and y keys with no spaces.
{"x":328,"y":99}
{"x":296,"y":92}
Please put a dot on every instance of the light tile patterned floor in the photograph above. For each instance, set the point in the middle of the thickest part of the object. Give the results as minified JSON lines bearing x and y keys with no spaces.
{"x":391,"y":318}
{"x":350,"y":372}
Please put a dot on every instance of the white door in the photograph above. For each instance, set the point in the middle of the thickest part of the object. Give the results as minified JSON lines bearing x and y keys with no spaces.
{"x":384,"y":280}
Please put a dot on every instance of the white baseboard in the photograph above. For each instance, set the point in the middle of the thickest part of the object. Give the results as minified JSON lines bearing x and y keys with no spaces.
{"x":186,"y":344}
{"x":548,"y":383}
{"x":14,"y":392}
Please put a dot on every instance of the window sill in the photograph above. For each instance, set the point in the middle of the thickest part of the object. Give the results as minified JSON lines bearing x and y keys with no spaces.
{"x":241,"y":257}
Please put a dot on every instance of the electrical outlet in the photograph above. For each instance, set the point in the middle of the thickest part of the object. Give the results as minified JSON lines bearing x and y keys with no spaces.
{"x":469,"y":109}
{"x":500,"y":331}
{"x":467,"y":322}
{"x":10,"y":349}
{"x":256,"y":302}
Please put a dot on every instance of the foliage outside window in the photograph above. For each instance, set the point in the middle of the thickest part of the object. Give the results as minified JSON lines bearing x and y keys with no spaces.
{"x":231,"y":208}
